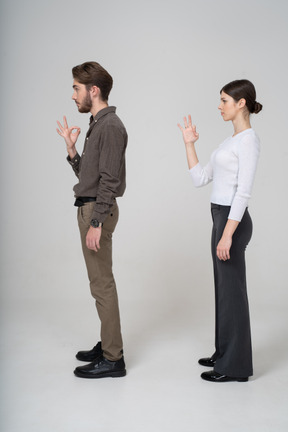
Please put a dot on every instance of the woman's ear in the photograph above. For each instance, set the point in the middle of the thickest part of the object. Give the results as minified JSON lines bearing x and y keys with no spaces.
{"x":242,"y":103}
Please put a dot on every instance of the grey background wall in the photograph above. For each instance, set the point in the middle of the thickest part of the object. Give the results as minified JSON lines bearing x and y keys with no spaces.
{"x":168,"y":59}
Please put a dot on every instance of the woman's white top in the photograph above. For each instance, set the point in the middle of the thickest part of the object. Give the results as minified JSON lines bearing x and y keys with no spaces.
{"x":232,"y":168}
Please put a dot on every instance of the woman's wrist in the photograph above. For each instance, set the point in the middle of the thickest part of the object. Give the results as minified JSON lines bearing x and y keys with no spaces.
{"x":230,"y":228}
{"x":190,"y":144}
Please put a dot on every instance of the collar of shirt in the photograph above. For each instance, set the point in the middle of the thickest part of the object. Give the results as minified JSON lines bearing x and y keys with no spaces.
{"x":102,"y":113}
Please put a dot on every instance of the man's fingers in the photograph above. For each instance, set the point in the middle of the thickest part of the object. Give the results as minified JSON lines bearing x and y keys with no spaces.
{"x":76,"y":129}
{"x":59,"y":125}
{"x":65,"y":122}
{"x":92,"y":247}
{"x":95,"y":246}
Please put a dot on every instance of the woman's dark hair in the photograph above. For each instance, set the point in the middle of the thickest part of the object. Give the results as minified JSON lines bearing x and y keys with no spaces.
{"x":92,"y":73}
{"x":243,"y":89}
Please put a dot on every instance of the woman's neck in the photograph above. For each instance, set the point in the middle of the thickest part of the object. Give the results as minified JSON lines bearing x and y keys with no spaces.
{"x":240,"y":124}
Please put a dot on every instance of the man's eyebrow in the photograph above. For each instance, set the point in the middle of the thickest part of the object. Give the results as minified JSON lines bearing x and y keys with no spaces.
{"x":75,"y":86}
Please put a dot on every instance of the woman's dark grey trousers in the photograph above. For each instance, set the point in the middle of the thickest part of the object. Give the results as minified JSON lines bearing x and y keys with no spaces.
{"x":232,"y":329}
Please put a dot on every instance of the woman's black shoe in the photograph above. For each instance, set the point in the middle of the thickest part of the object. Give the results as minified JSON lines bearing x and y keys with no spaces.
{"x":216,"y":377}
{"x":207,"y":361}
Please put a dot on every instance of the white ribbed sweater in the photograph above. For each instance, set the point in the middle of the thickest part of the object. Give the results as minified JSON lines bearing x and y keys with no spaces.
{"x":232,"y":168}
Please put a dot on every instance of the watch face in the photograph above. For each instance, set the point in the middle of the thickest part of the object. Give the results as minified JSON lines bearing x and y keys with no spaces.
{"x":94,"y":223}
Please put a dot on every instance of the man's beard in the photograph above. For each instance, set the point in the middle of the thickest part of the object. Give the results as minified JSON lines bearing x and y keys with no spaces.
{"x":86,"y":105}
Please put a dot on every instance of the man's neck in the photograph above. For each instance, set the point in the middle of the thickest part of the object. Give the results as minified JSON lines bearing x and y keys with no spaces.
{"x":98,"y":106}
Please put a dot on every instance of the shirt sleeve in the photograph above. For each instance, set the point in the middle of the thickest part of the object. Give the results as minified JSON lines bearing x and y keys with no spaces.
{"x":201,"y":176}
{"x":248,"y":155}
{"x":75,"y":163}
{"x":111,"y":169}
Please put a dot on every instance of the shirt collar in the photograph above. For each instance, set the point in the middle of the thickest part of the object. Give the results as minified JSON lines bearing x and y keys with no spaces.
{"x":102,"y":113}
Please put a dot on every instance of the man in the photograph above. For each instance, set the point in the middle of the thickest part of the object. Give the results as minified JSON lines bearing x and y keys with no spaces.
{"x":101,"y":174}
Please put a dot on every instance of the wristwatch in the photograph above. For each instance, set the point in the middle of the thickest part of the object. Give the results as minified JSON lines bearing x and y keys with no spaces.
{"x":95,"y":223}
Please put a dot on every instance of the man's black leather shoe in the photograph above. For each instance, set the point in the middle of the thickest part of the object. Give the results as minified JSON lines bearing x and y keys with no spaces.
{"x":216,"y":377}
{"x":89,"y":356}
{"x":102,"y":368}
{"x":207,"y":361}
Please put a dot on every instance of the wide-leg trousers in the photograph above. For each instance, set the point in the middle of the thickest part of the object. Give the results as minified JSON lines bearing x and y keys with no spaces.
{"x":102,"y":283}
{"x":233,"y":353}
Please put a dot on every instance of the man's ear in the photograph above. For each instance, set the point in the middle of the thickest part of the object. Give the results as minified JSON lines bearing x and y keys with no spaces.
{"x":95,"y":91}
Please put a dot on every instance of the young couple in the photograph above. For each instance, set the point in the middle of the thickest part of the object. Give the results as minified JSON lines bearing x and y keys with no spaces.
{"x":101,"y":180}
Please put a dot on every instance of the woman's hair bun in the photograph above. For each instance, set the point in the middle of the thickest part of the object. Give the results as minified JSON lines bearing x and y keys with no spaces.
{"x":257,"y":107}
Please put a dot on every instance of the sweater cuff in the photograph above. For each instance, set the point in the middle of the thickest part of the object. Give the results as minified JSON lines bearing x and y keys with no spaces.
{"x":237,"y":211}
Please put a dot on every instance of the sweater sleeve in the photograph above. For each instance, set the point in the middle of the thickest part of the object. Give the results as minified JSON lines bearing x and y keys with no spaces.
{"x":248,"y":155}
{"x":201,"y":176}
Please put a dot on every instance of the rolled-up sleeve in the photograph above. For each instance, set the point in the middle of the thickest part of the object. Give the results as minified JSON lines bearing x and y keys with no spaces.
{"x":75,"y":163}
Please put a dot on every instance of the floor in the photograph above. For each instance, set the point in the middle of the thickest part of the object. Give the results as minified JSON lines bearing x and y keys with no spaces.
{"x":162,"y":391}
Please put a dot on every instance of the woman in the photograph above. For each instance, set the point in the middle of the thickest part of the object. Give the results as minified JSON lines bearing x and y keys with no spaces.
{"x":232,"y":168}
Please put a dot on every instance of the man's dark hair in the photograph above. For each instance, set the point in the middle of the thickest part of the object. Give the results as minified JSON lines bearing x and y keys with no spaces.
{"x":92,"y":73}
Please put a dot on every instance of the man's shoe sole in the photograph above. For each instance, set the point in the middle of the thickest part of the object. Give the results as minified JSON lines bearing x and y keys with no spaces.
{"x":113,"y":374}
{"x":88,"y":359}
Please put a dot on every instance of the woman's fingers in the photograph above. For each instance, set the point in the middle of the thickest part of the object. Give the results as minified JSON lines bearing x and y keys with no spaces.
{"x":189,"y":130}
{"x":187,"y":123}
{"x":223,"y":255}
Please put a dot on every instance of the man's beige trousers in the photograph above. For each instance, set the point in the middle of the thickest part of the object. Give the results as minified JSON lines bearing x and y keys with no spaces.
{"x":102,"y":283}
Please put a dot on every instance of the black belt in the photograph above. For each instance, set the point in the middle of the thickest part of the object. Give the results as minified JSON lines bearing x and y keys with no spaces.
{"x":80,"y":201}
